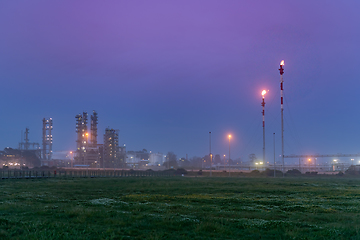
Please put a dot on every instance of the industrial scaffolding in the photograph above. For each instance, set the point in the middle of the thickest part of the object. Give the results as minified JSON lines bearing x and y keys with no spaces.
{"x":47,"y":139}
{"x":87,"y":153}
{"x":111,"y":150}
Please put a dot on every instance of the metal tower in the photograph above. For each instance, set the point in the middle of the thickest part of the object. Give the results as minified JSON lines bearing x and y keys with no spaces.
{"x":82,"y":136}
{"x":46,"y":139}
{"x":93,"y":128}
{"x":263,"y":115}
{"x":281,"y":69}
{"x":111,"y":148}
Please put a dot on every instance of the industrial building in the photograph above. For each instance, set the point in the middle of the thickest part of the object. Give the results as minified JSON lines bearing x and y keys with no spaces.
{"x":87,"y":149}
{"x":27,"y":155}
{"x":47,"y":139}
{"x":113,"y":154}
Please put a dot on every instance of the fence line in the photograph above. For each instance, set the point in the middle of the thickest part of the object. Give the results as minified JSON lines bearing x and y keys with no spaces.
{"x":32,"y":174}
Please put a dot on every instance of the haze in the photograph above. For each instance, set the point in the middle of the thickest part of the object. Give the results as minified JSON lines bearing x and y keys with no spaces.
{"x":167,"y":72}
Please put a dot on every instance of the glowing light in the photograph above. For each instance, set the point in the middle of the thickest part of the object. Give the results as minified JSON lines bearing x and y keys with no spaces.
{"x":309,"y":159}
{"x":263,"y":93}
{"x":229,"y":136}
{"x":282,"y":63}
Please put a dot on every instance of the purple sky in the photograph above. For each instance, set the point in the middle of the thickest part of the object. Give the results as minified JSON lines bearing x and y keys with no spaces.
{"x":167,"y":72}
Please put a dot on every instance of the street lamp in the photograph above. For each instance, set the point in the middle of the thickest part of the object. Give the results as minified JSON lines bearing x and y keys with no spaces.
{"x":224,"y":161}
{"x":210,"y":164}
{"x":71,"y":159}
{"x":229,"y":153}
{"x":309,"y":164}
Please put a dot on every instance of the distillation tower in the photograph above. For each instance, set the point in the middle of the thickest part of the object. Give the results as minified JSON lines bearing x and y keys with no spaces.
{"x":47,"y":139}
{"x":86,"y":143}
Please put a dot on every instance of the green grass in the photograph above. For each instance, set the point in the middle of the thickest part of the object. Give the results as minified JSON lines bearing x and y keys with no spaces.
{"x":180,"y":208}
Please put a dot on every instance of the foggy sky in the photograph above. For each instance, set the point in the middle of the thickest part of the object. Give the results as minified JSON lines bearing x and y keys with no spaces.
{"x":167,"y":72}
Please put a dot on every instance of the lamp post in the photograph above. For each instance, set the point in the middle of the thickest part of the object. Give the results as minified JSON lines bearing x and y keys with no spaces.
{"x":274,"y":157}
{"x":281,"y":69}
{"x":334,"y":165}
{"x":210,"y":155}
{"x":86,"y":159}
{"x":71,"y":159}
{"x":224,"y":161}
{"x":263,"y":115}
{"x":229,"y":153}
{"x":309,"y":164}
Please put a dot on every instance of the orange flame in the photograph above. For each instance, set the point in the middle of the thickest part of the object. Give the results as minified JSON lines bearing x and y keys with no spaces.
{"x":282,"y":63}
{"x":263,"y":92}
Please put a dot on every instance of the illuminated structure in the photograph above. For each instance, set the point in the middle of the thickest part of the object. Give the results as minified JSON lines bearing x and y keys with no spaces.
{"x":81,"y":130}
{"x":47,"y":139}
{"x":111,"y":151}
{"x":229,"y":153}
{"x":263,"y":118}
{"x":87,"y":151}
{"x":93,"y":128}
{"x":281,"y":69}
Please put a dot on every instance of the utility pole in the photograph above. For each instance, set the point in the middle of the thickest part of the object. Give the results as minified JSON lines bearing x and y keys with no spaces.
{"x":210,"y":155}
{"x":229,"y":154}
{"x":274,"y":157}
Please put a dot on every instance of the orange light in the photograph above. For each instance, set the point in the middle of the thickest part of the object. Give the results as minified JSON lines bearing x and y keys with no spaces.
{"x":309,"y":159}
{"x":229,"y":136}
{"x":87,"y":134}
{"x":263,"y":93}
{"x":70,"y":152}
{"x":282,"y":63}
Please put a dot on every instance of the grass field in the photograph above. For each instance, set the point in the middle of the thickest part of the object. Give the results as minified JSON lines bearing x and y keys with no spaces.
{"x":180,"y":208}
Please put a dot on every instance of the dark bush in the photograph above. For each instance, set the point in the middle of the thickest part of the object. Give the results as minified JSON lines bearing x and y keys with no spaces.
{"x":293,"y":172}
{"x":181,"y":171}
{"x":199,"y":172}
{"x":340,"y":174}
{"x":255,"y":172}
{"x":270,"y":172}
{"x":149,"y":170}
{"x":352,"y":171}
